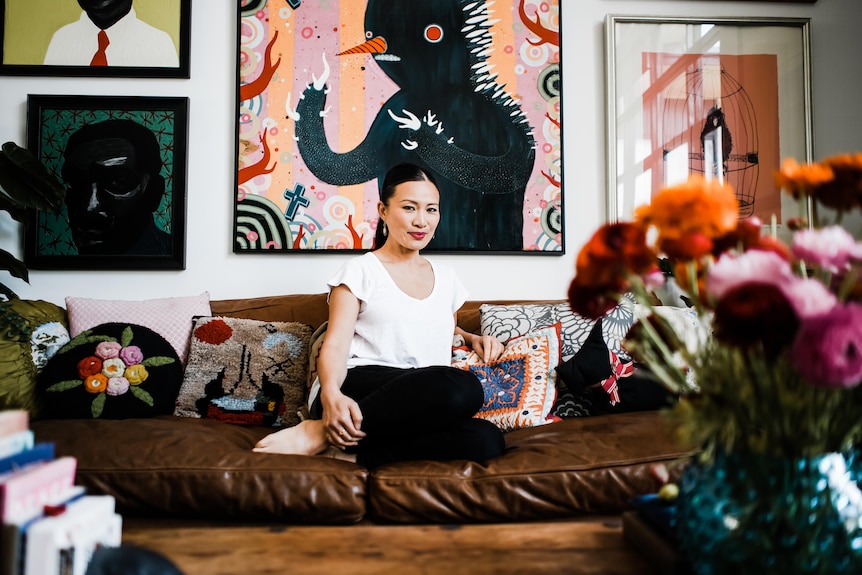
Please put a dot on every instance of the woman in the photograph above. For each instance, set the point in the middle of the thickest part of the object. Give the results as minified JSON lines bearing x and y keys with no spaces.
{"x":386,"y":391}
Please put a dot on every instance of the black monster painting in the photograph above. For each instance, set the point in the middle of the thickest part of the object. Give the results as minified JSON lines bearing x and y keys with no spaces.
{"x":448,"y":115}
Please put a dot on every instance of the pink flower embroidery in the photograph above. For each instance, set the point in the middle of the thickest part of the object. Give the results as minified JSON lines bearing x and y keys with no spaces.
{"x":117,"y":386}
{"x":107,"y":349}
{"x":131,"y":354}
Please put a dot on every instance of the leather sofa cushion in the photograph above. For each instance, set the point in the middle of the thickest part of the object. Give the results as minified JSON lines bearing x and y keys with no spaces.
{"x":591,"y":465}
{"x":196,"y":468}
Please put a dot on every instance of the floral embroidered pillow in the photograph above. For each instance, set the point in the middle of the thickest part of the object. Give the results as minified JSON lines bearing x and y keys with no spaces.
{"x":245,"y":371}
{"x":112,"y":371}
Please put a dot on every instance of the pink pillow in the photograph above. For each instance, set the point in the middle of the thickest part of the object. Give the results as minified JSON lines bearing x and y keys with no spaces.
{"x":169,"y":317}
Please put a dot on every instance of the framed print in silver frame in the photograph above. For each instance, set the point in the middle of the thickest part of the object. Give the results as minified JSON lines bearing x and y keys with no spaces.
{"x":727,"y":98}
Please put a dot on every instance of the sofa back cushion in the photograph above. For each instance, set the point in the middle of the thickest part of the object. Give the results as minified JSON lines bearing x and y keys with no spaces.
{"x":310,"y":309}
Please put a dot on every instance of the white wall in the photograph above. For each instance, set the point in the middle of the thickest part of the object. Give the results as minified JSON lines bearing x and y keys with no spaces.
{"x":211,"y":265}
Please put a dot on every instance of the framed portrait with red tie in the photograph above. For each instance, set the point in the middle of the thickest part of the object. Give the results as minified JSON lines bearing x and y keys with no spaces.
{"x":99,"y":38}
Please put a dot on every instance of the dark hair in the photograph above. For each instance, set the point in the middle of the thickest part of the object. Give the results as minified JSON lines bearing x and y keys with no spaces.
{"x":396,"y":176}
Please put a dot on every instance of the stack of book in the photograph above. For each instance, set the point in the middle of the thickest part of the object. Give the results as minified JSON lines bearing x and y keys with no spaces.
{"x":49,"y":524}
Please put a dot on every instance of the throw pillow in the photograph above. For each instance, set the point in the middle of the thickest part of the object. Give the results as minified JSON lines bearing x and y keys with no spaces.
{"x":514,"y":320}
{"x":23,"y":357}
{"x":246,"y":371}
{"x":113,"y":371}
{"x":170,"y":317}
{"x":519,"y":386}
{"x":605,"y":383}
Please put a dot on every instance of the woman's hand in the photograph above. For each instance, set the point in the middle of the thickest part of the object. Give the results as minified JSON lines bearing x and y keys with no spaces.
{"x":342,"y":420}
{"x":487,"y":347}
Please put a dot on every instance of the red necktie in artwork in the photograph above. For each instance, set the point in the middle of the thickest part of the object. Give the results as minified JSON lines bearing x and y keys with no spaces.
{"x":100,"y":59}
{"x":618,"y":370}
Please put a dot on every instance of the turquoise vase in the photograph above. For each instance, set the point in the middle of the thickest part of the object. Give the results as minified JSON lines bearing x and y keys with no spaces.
{"x":744,"y":514}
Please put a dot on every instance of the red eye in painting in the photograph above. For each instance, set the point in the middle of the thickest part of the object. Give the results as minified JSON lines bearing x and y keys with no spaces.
{"x":369,"y":35}
{"x":433,"y":33}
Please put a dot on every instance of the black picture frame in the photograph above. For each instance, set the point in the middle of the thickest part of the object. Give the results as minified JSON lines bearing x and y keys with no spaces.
{"x":51,"y":120}
{"x":26,"y":31}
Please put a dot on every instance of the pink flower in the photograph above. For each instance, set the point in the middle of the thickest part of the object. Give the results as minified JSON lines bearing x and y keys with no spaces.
{"x":107,"y":349}
{"x":754,"y":266}
{"x":131,"y":354}
{"x":831,"y":248}
{"x":826,"y":349}
{"x":117,"y":386}
{"x":809,"y":297}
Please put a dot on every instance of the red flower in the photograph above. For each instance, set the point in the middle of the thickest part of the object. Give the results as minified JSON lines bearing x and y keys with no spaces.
{"x":215,"y":332}
{"x":88,"y":366}
{"x":604,"y":264}
{"x":756,"y":313}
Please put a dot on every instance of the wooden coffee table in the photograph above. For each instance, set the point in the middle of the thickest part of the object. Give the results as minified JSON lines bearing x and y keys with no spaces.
{"x":594,"y":545}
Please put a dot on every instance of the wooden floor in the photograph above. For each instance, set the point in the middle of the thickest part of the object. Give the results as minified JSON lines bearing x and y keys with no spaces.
{"x":592,"y":546}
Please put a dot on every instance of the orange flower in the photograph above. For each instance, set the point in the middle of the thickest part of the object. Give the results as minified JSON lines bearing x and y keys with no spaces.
{"x":696,"y":206}
{"x":96,"y":383}
{"x":798,"y":179}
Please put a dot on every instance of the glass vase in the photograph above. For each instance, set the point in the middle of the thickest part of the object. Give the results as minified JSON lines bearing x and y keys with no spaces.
{"x":744,"y":514}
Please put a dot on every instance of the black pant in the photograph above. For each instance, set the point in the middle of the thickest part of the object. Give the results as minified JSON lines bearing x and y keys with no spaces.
{"x":424,"y":413}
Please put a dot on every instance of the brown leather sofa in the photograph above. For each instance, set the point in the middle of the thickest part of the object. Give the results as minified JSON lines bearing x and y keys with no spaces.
{"x":196,"y":468}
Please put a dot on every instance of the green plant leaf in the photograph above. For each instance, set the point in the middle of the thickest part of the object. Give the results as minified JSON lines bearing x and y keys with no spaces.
{"x":98,"y":405}
{"x":14,"y":266}
{"x":126,"y":338}
{"x":83,"y":338}
{"x":66,"y":385}
{"x":142,"y":395}
{"x":158,"y":361}
{"x":27,"y":182}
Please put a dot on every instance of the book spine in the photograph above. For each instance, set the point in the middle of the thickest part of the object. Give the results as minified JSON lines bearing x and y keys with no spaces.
{"x":28,"y":490}
{"x":40,"y":452}
{"x":16,"y":443}
{"x":13,"y":421}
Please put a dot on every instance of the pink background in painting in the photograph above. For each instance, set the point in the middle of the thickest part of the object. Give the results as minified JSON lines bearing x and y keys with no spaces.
{"x":357,"y":90}
{"x":757,"y":74}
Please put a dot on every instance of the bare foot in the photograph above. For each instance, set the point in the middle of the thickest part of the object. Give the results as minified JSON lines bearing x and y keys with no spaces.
{"x":307,"y":438}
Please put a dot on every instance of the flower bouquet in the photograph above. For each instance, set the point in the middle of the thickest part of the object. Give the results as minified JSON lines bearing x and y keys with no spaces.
{"x":772,"y":386}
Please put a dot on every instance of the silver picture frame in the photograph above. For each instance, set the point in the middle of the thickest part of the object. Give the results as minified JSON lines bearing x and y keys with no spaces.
{"x":671,"y":81}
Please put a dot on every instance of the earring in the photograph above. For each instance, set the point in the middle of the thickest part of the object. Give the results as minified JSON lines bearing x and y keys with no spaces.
{"x":385,"y":231}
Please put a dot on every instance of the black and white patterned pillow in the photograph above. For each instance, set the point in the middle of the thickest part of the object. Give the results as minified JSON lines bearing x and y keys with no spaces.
{"x":515,"y":320}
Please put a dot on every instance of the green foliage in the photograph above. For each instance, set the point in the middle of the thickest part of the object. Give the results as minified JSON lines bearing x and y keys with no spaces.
{"x":749,"y":404}
{"x":25,"y":184}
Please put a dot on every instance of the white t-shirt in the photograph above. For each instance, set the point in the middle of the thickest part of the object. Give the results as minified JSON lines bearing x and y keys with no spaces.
{"x":392,"y":328}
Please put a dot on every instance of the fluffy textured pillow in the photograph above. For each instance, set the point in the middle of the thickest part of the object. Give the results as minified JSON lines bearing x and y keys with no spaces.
{"x":113,"y":371}
{"x":314,"y":353}
{"x":23,"y":357}
{"x":519,"y":387}
{"x":246,"y":371}
{"x":606,"y":384}
{"x":170,"y":317}
{"x":514,"y":320}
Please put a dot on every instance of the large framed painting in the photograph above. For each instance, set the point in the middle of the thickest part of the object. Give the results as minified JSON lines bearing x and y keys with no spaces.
{"x":333,"y":94}
{"x":98,"y":38}
{"x":123,"y":162}
{"x":724,"y":98}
